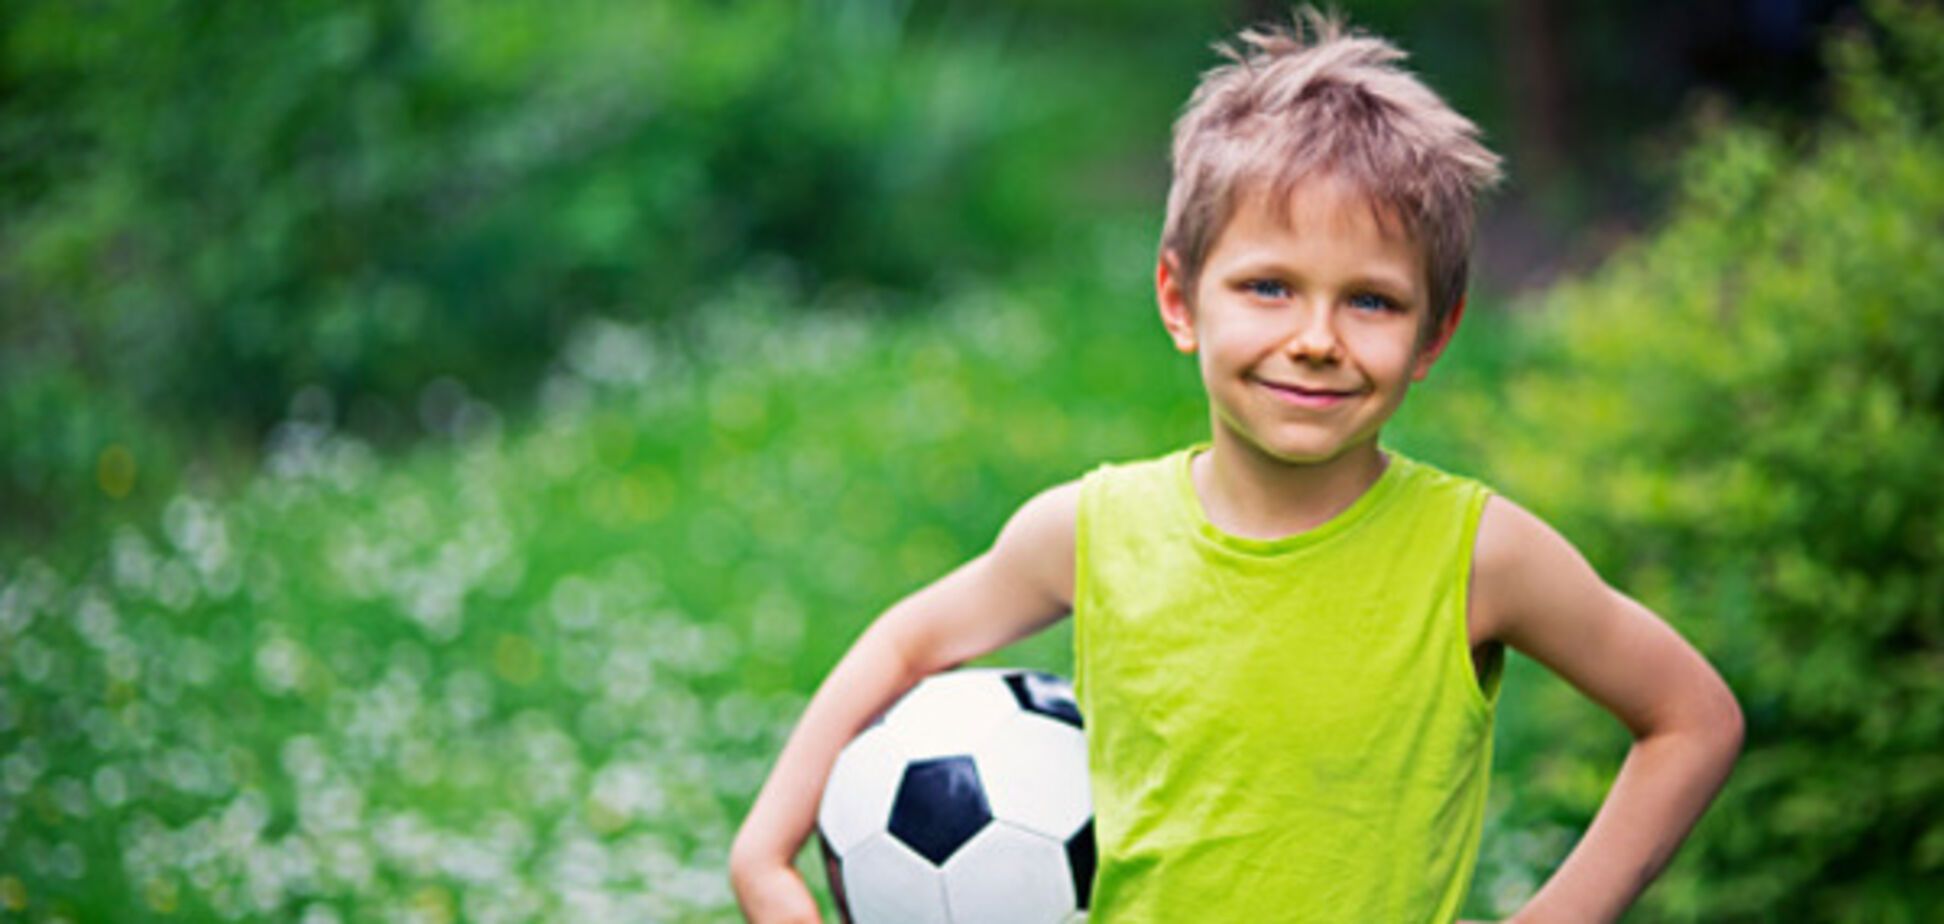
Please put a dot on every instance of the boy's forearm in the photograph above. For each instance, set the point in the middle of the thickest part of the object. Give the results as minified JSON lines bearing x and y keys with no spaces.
{"x":870,"y":676}
{"x":1664,"y":785}
{"x":979,"y":607}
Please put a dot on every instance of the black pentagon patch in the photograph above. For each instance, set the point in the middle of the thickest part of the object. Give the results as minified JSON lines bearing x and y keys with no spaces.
{"x":1080,"y":860}
{"x":940,"y":805}
{"x":1045,"y":694}
{"x":834,"y":873}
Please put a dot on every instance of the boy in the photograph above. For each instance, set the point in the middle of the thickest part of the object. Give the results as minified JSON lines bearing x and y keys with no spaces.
{"x":1288,"y":639}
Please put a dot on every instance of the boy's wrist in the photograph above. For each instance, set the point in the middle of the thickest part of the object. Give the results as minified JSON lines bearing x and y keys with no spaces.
{"x":770,"y":894}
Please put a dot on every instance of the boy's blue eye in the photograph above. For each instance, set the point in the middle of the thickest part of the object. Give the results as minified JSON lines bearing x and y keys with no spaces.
{"x":1267,"y":288}
{"x":1372,"y":302}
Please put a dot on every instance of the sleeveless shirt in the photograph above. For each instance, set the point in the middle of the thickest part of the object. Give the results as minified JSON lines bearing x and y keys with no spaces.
{"x":1285,"y":729}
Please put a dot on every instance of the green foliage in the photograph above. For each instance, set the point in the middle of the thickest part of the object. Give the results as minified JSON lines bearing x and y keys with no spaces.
{"x":1741,"y":421}
{"x":538,"y":673}
{"x":209,"y":206}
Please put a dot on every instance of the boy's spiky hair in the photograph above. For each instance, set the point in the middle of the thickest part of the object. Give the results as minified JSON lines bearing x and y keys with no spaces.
{"x":1316,"y":99}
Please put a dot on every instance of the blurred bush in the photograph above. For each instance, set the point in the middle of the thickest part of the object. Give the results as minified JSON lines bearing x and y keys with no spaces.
{"x":1741,"y":420}
{"x":538,"y":673}
{"x":206,"y":207}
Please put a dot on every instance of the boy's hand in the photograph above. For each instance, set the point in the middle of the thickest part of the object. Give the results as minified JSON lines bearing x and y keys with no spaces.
{"x":773,"y":893}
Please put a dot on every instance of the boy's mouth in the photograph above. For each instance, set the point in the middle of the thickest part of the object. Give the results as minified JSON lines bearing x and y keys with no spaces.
{"x":1308,"y":396}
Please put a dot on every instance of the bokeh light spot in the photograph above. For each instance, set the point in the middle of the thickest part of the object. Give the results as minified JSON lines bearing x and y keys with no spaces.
{"x":162,"y":895}
{"x":515,"y":660}
{"x":115,"y":471}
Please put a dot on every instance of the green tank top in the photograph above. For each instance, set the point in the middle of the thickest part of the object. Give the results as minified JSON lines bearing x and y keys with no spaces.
{"x":1286,"y":729}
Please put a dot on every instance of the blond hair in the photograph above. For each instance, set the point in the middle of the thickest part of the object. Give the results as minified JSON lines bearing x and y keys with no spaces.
{"x":1289,"y":107}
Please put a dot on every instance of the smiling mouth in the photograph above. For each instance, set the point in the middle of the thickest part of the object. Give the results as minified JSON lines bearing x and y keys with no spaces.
{"x":1307,"y":394}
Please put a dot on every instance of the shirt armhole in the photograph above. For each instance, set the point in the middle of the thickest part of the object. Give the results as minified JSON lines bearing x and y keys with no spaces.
{"x":1083,"y":517}
{"x":1484,"y":698}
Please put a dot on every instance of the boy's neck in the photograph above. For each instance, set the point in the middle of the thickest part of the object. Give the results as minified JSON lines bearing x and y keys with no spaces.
{"x":1247,"y":493}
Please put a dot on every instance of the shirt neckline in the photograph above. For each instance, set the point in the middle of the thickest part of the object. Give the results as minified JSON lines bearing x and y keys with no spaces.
{"x":1358,"y":511}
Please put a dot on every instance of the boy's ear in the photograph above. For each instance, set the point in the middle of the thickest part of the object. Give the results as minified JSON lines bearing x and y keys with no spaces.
{"x":1440,"y":338}
{"x":1176,"y":314}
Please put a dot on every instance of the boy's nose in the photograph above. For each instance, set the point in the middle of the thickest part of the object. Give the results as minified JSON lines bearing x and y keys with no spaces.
{"x":1315,"y":338}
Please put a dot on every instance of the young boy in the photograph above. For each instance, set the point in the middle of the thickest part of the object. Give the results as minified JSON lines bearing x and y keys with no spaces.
{"x":1288,"y":639}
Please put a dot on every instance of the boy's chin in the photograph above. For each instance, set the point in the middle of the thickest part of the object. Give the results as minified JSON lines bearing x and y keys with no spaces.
{"x":1307,"y":454}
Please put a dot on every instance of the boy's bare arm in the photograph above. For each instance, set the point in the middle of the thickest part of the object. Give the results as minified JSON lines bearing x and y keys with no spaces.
{"x":1546,"y":601}
{"x":1019,"y":586}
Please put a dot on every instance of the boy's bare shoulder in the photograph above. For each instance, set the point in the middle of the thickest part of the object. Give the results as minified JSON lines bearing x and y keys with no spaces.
{"x":1037,"y":544}
{"x":1517,"y":561}
{"x":1054,"y":507}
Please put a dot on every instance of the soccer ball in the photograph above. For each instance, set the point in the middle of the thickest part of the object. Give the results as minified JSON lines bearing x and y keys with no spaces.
{"x":966,"y":802}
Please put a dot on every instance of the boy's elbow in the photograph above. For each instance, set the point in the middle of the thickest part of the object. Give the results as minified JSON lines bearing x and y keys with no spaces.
{"x":897,"y":647}
{"x":1734,"y":726}
{"x":1723,"y":723}
{"x":1714,"y":718}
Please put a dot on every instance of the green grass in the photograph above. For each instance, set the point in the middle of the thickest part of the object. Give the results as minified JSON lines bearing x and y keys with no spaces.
{"x":537,"y":672}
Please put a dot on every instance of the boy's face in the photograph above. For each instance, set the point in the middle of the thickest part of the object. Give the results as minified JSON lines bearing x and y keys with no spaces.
{"x":1308,"y":331}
